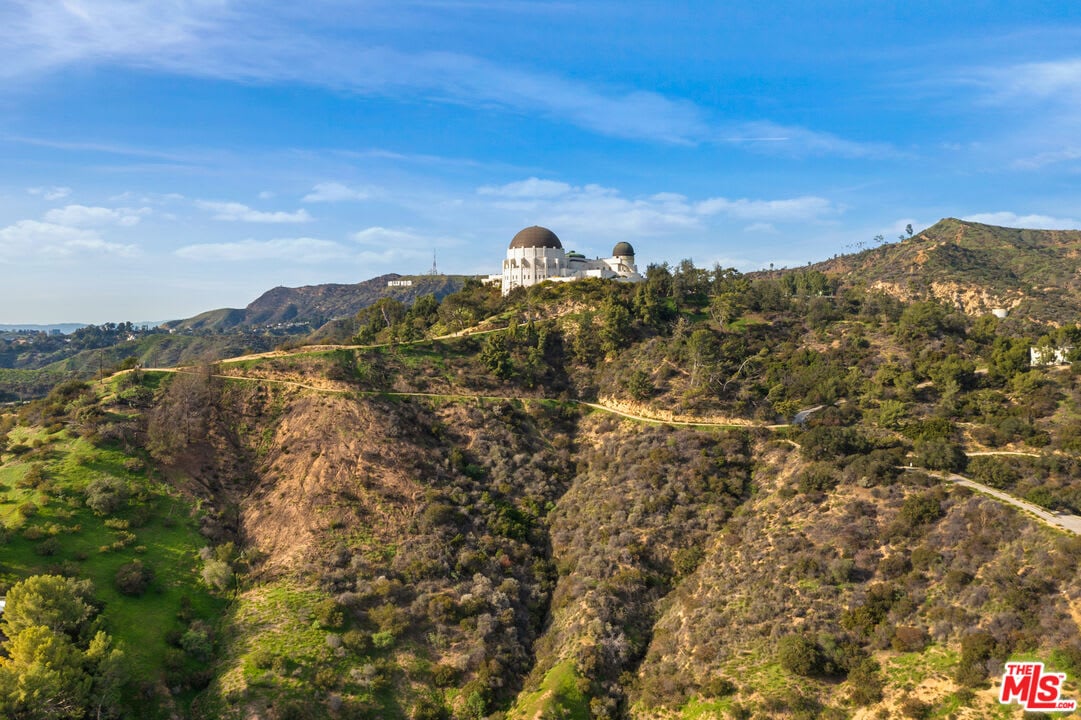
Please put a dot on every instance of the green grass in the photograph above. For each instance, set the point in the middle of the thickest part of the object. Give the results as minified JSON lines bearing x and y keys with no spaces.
{"x":278,"y":650}
{"x":697,"y":708}
{"x":558,"y":696}
{"x":914,"y":668}
{"x":167,"y":540}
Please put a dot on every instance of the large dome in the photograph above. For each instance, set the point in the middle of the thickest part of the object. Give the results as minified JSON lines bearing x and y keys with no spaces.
{"x":535,"y":237}
{"x":623,"y":249}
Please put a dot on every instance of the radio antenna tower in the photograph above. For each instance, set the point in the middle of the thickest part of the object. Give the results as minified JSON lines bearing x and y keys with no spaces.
{"x":434,"y":270}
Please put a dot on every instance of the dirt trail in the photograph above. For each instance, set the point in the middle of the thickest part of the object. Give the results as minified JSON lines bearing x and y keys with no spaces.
{"x":1060,"y":521}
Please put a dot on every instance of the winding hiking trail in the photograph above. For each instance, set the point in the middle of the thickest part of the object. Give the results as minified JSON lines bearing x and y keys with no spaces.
{"x":1059,"y":521}
{"x":462,"y":396}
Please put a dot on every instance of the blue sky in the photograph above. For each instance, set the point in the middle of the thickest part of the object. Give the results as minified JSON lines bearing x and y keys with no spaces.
{"x":162,"y":158}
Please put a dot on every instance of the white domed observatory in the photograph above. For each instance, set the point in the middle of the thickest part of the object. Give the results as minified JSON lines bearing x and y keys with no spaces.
{"x":536,"y":254}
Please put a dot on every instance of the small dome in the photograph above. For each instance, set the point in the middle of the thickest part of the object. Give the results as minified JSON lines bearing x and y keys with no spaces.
{"x":535,"y":237}
{"x":623,"y":249}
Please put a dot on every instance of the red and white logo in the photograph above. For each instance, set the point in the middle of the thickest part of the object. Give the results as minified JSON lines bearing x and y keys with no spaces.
{"x":1026,"y":683}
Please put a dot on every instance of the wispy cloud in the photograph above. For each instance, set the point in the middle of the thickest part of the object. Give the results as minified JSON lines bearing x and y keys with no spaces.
{"x":83,"y":216}
{"x":247,"y":43}
{"x":530,"y":188}
{"x":238,"y":212}
{"x":787,"y":210}
{"x":27,"y":241}
{"x":773,"y":139}
{"x":1050,"y":157}
{"x":1059,"y":80}
{"x":300,"y":250}
{"x":603,"y":212}
{"x":401,"y":238}
{"x":329,"y":192}
{"x":50,"y":193}
{"x":1010,"y":219}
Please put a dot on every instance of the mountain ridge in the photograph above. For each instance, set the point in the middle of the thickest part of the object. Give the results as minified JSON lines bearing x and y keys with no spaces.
{"x":315,"y":305}
{"x":975,"y":267}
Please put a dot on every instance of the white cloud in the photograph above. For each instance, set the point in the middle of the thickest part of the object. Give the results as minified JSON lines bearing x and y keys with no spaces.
{"x":148,"y":198}
{"x":1049,"y":157}
{"x":1034,"y":222}
{"x":300,"y":250}
{"x":238,"y":212}
{"x":247,"y":42}
{"x":50,"y":193}
{"x":29,"y":240}
{"x":773,"y":139}
{"x":796,"y":209}
{"x":594,"y":211}
{"x":1059,"y":80}
{"x":83,"y":216}
{"x":214,"y":38}
{"x":530,"y":188}
{"x":336,"y":192}
{"x":400,"y":238}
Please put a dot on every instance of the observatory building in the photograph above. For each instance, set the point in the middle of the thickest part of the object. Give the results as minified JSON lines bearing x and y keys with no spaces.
{"x":536,"y":254}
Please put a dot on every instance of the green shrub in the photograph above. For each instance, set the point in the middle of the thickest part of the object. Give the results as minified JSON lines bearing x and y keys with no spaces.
{"x":357,"y":641}
{"x":329,"y":614}
{"x":218,"y":574}
{"x":383,"y":640}
{"x":262,"y":658}
{"x":800,"y":655}
{"x":133,"y":578}
{"x":444,"y":675}
{"x":106,"y":495}
{"x":197,"y":642}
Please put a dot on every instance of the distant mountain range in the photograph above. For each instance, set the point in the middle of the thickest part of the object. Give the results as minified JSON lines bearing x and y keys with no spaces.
{"x":315,"y":305}
{"x":1035,"y":274}
{"x":62,"y":327}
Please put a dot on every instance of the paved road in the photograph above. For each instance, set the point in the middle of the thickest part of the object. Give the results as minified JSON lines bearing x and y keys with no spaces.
{"x":1060,"y":521}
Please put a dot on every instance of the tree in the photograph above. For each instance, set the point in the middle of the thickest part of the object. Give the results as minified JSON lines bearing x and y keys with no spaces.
{"x":43,"y":676}
{"x":940,"y":454}
{"x":50,"y":671}
{"x":495,"y":354}
{"x":616,"y":326}
{"x":57,"y":603}
{"x":703,"y":353}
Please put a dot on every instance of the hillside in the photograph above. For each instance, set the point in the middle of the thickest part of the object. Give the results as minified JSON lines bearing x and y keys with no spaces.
{"x":1035,"y":274}
{"x":489,"y":524}
{"x":314,"y":305}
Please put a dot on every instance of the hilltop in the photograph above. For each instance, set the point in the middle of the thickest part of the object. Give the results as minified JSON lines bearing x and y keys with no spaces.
{"x":314,"y":305}
{"x":1034,"y":274}
{"x":33,"y":361}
